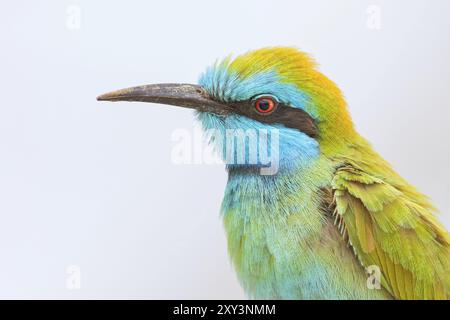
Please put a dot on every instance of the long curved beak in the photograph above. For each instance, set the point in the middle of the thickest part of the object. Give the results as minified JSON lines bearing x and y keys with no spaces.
{"x":176,"y":94}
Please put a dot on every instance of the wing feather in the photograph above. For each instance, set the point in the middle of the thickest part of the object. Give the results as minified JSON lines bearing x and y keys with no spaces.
{"x":393,"y":226}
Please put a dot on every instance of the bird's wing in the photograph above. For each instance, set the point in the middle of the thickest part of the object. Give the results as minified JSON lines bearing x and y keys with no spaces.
{"x":392,"y":226}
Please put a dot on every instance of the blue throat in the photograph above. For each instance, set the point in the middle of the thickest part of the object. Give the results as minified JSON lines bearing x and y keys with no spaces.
{"x":289,"y":148}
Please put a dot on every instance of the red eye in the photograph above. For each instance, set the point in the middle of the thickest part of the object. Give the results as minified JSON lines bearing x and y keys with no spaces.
{"x":265,"y":105}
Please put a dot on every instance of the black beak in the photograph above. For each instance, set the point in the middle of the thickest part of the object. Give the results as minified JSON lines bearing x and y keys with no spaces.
{"x":175,"y":94}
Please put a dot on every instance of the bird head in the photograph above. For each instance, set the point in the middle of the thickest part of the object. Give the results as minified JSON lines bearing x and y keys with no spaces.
{"x":263,"y":91}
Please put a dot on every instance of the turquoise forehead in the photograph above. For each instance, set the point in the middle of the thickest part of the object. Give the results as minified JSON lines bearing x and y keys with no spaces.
{"x":227,"y":86}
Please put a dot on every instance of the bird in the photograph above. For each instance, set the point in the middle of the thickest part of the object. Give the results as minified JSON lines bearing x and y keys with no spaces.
{"x":331,"y":219}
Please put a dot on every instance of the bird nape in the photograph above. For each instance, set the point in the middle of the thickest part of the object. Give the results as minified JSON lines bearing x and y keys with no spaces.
{"x":326,"y":217}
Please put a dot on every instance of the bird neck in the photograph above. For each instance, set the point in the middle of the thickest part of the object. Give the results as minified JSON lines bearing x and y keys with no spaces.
{"x":249,"y":194}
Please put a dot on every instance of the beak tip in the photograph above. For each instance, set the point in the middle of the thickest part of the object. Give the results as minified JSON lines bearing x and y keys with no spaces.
{"x":117,"y":95}
{"x":106,"y":97}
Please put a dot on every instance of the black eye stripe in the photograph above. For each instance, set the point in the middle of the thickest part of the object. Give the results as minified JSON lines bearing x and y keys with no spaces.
{"x":288,"y":116}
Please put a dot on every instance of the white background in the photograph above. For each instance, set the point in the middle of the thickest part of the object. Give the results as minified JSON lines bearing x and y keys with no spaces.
{"x":93,"y":185}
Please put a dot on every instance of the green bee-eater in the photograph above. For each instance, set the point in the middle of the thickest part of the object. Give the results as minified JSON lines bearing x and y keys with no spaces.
{"x":333,"y":210}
